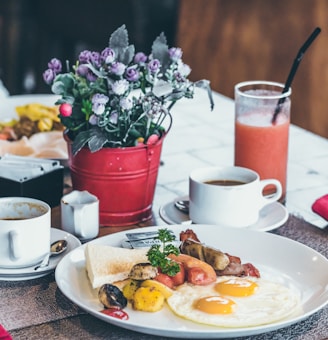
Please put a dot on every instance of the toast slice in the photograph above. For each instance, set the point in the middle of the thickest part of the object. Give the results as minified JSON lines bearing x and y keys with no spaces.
{"x":107,"y":264}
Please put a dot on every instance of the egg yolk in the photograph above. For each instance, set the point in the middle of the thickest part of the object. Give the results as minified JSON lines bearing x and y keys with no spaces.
{"x":215,"y":305}
{"x":236,"y":287}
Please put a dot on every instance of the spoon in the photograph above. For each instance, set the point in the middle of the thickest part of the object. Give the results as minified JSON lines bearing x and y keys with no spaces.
{"x":182,"y":205}
{"x":56,"y":248}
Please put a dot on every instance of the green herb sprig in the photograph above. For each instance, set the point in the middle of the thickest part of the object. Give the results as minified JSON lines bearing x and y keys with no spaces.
{"x":157,"y":254}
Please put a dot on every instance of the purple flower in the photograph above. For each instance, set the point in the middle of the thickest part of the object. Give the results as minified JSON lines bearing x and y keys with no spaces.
{"x":132,"y":73}
{"x":49,"y":76}
{"x":140,"y":57}
{"x":179,"y":77}
{"x":91,"y":77}
{"x":55,"y":65}
{"x":84,"y":56}
{"x":118,"y":68}
{"x":154,"y":66}
{"x":113,"y":117}
{"x":99,"y":98}
{"x":126,"y":103}
{"x":93,"y":120}
{"x":98,"y":103}
{"x":82,"y":70}
{"x":175,"y":53}
{"x":154,"y":109}
{"x":95,"y":59}
{"x":107,"y":55}
{"x":119,"y":87}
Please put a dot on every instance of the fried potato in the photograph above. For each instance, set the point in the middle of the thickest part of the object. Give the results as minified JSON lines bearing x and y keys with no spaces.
{"x":130,"y":288}
{"x":148,"y":299}
{"x":165,"y":290}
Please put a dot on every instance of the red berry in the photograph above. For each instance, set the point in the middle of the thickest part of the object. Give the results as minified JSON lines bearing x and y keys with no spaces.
{"x":65,"y":109}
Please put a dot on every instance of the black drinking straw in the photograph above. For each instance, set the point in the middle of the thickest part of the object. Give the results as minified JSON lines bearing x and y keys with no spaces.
{"x":293,"y":70}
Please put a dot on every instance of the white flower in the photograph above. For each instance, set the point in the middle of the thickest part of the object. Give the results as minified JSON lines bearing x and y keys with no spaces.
{"x":93,"y":120}
{"x":126,"y":103}
{"x":184,"y":69}
{"x":98,"y":103}
{"x":119,"y":87}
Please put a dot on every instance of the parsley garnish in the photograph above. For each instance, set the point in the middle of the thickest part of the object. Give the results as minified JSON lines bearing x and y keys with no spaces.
{"x":157,"y":254}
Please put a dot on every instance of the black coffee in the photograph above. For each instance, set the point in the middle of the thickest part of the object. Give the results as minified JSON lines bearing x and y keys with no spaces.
{"x":224,"y":182}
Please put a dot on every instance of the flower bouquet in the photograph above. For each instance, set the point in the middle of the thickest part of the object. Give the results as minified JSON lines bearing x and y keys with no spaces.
{"x":116,"y":107}
{"x":120,"y":98}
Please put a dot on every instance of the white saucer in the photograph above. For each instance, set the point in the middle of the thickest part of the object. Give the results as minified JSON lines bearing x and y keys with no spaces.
{"x":28,"y":273}
{"x":272,"y":216}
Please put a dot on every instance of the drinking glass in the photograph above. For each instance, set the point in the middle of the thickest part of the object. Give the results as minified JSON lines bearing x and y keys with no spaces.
{"x":262,"y":117}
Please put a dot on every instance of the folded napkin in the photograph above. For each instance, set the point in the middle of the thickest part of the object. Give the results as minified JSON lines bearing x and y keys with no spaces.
{"x":21,"y":168}
{"x":4,"y":335}
{"x":320,"y":206}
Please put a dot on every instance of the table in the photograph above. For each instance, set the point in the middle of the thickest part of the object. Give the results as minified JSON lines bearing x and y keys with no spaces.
{"x":200,"y":137}
{"x":36,"y":309}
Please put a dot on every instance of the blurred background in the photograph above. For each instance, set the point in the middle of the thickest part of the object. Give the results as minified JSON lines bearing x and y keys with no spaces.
{"x":225,"y":41}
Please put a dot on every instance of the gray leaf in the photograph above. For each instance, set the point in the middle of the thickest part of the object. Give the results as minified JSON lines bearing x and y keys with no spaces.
{"x":160,"y":51}
{"x":119,"y":42}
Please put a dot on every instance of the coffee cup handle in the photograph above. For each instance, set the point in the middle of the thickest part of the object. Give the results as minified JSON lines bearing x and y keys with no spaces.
{"x":14,"y":245}
{"x":78,"y":221}
{"x":274,"y":197}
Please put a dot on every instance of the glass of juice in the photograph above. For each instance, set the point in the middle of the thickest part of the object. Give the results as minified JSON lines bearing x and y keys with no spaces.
{"x":262,"y":116}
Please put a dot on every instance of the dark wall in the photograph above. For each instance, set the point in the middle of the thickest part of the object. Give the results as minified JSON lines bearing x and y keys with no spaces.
{"x":243,"y":40}
{"x":34,"y":31}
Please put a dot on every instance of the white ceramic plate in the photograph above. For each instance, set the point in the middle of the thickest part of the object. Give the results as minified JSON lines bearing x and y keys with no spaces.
{"x":29,"y":273}
{"x":272,"y":216}
{"x":277,"y":258}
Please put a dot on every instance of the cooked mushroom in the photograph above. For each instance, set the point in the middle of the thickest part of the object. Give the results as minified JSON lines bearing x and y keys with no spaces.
{"x":143,"y":271}
{"x":111,"y":296}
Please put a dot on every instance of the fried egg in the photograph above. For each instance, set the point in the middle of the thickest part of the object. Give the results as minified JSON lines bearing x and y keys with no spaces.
{"x":234,"y":302}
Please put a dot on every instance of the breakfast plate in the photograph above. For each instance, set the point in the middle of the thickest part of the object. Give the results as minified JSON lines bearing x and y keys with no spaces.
{"x":271,"y":217}
{"x":28,"y":273}
{"x":295,"y":265}
{"x":42,"y":144}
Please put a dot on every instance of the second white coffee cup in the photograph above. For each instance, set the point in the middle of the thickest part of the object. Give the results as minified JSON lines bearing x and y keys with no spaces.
{"x":230,"y":196}
{"x":80,"y":214}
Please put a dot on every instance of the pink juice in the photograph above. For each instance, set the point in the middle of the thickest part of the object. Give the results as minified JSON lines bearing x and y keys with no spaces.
{"x":263,"y":146}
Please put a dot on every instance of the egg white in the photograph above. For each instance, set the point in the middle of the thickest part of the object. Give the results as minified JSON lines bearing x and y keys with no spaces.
{"x":271,"y":302}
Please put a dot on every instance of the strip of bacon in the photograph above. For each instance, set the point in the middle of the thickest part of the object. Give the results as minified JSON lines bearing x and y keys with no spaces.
{"x":236,"y":268}
{"x":188,"y":234}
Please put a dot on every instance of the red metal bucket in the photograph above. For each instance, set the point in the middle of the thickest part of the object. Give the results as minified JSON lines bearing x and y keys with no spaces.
{"x":123,"y":179}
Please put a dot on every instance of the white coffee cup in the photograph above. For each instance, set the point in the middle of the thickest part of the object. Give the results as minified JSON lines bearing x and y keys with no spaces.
{"x":236,"y":204}
{"x":80,"y":214}
{"x":25,"y":225}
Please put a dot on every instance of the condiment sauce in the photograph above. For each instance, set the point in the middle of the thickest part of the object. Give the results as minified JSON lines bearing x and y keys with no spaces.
{"x":115,"y":313}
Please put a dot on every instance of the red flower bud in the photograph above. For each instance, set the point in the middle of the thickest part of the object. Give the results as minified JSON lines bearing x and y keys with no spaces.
{"x":153,"y":139}
{"x":65,"y":109}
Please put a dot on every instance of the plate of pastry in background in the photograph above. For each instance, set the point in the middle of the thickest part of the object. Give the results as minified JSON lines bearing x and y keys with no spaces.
{"x":30,"y":126}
